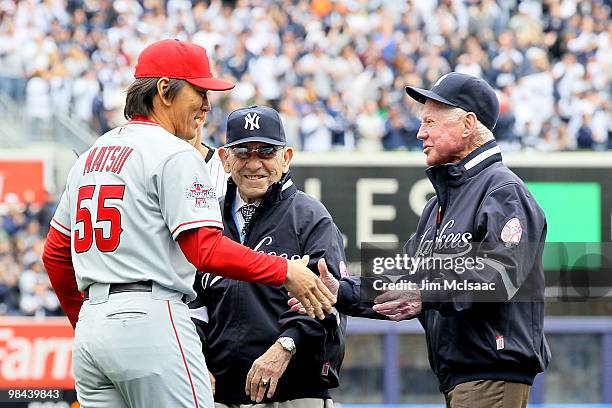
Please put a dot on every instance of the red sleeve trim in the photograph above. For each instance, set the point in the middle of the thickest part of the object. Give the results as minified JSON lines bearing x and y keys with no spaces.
{"x":208,"y":250}
{"x":57,"y":259}
{"x":193,"y":222}
{"x":61,"y":225}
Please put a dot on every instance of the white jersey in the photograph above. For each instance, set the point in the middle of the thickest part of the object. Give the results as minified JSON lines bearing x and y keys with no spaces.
{"x":127,"y":199}
{"x":218,"y":176}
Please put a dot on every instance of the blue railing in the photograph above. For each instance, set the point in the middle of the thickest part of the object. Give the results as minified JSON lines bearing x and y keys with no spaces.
{"x":600,"y":326}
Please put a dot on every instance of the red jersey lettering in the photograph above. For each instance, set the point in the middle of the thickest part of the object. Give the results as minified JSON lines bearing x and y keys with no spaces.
{"x":119,"y":159}
{"x":113,"y":158}
{"x":100,"y":156}
{"x":124,"y":160}
{"x":109,"y":150}
{"x":89,"y":161}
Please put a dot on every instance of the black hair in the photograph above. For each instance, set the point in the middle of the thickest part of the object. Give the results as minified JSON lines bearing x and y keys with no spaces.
{"x":139,"y":99}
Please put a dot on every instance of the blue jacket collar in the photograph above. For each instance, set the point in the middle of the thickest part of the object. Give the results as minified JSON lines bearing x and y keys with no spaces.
{"x":476,"y":161}
{"x":451,"y":174}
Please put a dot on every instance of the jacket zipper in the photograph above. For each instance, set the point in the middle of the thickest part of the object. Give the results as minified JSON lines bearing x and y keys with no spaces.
{"x":438,"y":223}
{"x":434,"y":321}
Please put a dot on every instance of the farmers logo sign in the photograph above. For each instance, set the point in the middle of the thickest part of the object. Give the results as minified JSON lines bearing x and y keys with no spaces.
{"x":35,"y":353}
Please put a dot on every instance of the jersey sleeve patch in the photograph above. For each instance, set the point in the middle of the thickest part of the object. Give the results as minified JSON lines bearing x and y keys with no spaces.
{"x":199,"y":194}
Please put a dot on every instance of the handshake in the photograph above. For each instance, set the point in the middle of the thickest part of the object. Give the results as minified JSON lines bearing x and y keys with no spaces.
{"x":394,"y":304}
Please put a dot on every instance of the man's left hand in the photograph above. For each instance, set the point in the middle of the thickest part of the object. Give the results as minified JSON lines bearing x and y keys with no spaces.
{"x":266,"y":371}
{"x":197,"y":141}
{"x":398,"y":304}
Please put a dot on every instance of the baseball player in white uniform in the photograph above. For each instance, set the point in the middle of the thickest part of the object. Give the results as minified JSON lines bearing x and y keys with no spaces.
{"x":138,"y":214}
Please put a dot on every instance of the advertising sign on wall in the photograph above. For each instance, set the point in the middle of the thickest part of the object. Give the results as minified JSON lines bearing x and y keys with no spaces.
{"x":36,"y":353}
{"x":23,"y":178}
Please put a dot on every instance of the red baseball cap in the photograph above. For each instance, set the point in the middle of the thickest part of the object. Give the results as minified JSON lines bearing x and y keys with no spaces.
{"x":179,"y":60}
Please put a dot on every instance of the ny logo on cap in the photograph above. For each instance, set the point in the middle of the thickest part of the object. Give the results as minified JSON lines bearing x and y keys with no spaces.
{"x":251,"y":119}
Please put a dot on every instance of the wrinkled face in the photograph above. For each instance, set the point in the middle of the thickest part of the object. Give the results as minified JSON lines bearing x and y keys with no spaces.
{"x":253,"y":175}
{"x":188,"y":111}
{"x":441,"y":134}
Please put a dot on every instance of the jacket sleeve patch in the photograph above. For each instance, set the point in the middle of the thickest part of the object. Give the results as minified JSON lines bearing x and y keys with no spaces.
{"x":512,"y":231}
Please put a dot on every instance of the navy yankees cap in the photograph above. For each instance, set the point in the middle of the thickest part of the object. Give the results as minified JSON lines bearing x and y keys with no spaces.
{"x":467,"y":92}
{"x":255,"y":124}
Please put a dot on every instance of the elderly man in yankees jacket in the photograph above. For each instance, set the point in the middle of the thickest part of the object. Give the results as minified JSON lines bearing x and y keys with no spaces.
{"x":256,"y":348}
{"x":483,"y":319}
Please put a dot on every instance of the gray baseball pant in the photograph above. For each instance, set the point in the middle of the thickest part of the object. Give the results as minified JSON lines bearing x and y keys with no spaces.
{"x":138,"y":349}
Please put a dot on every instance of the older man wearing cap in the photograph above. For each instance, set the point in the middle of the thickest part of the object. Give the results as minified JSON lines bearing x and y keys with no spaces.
{"x":256,"y":348}
{"x":138,"y":213}
{"x":483,"y":318}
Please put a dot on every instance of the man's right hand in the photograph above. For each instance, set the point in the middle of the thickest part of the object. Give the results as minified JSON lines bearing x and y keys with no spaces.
{"x":328,"y":280}
{"x":308,"y":289}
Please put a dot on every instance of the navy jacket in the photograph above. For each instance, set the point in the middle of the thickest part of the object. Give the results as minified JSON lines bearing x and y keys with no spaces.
{"x":244,"y":319}
{"x":480,"y":208}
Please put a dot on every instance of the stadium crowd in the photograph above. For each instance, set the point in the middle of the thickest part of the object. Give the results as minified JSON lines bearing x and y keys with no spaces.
{"x":24,"y":285}
{"x":336,"y":69}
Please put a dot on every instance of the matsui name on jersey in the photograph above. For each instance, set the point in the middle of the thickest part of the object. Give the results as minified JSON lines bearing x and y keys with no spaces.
{"x":107,"y":158}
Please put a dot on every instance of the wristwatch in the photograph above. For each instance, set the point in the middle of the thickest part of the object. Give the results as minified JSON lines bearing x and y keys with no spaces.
{"x":288,"y":344}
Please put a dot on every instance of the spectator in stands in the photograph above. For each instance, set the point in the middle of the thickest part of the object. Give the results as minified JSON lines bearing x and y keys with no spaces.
{"x":9,"y":275}
{"x":37,"y":297}
{"x":12,"y":69}
{"x":397,"y":135}
{"x":316,"y":129}
{"x":585,"y":134}
{"x":37,"y":104}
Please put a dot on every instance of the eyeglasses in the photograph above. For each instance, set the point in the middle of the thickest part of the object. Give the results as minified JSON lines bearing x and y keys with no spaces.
{"x":263,"y":152}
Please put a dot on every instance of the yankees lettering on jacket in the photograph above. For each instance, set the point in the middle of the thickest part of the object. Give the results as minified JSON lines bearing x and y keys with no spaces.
{"x":446,"y":239}
{"x":262,"y":247}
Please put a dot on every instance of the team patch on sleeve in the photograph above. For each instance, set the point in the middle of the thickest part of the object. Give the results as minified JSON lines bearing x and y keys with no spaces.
{"x":512,"y":231}
{"x":200,"y":194}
